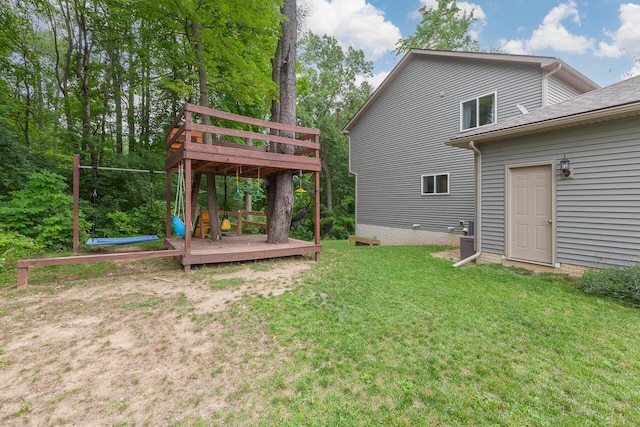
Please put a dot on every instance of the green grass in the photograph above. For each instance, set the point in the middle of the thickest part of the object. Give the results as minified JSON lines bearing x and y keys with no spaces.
{"x":391,"y":336}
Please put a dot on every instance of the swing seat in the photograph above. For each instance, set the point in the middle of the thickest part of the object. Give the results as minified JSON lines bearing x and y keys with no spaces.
{"x":178,"y":226}
{"x":104,"y":241}
{"x":203,"y":220}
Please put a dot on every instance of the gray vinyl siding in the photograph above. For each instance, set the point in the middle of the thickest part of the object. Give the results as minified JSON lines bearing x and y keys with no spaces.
{"x":400,"y":138}
{"x":558,"y":91}
{"x":597,"y":212}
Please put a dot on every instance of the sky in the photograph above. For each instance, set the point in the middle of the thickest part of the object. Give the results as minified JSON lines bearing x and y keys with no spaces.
{"x":599,"y":38}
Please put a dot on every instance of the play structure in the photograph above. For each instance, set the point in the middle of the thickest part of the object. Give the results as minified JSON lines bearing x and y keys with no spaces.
{"x":226,"y":155}
{"x":231,"y":155}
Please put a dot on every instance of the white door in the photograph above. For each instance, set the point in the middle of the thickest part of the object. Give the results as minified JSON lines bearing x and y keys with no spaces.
{"x":530,"y":225}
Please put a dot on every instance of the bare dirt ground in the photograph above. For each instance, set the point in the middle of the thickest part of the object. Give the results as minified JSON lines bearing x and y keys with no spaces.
{"x":140,"y":349}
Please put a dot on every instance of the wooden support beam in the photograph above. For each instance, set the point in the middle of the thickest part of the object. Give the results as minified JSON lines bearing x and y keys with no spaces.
{"x":24,"y":264}
{"x":194,"y":192}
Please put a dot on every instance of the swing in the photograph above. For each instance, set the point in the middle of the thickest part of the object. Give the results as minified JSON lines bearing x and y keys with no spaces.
{"x":178,"y":225}
{"x":106,"y":241}
{"x":300,"y":190}
{"x":300,"y":216}
{"x":256,"y":192}
{"x":225,"y":225}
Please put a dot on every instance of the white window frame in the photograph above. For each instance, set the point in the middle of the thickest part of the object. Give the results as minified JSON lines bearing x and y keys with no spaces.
{"x":435,"y":187}
{"x":477,"y":100}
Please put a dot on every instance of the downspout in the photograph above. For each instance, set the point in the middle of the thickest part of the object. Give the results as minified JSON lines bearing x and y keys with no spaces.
{"x":478,"y":231}
{"x":545,"y":84}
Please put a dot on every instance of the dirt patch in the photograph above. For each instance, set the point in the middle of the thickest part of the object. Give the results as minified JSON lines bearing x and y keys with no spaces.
{"x":451,"y":254}
{"x":141,"y":349}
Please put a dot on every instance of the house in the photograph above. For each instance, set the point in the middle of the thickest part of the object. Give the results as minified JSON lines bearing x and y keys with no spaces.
{"x":560,"y":186}
{"x":410,"y":187}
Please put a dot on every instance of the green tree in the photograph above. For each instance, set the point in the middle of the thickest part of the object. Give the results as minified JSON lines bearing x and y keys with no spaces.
{"x":444,"y":27}
{"x":331,"y":92}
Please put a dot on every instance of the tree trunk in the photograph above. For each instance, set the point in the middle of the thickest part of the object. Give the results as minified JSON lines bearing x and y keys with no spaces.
{"x":63,"y":80}
{"x":280,"y":185}
{"x":116,"y":71}
{"x":327,"y":174}
{"x":131,"y":105}
{"x":212,"y":196}
{"x":84,"y":51}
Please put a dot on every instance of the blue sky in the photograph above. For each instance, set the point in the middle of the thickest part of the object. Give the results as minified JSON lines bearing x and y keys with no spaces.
{"x":600,"y":38}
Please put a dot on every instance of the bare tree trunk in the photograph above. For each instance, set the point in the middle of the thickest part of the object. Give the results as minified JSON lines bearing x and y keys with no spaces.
{"x":212,"y":196}
{"x":280,"y":185}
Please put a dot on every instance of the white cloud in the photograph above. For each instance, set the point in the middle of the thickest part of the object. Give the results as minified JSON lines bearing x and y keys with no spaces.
{"x":516,"y":47}
{"x":465,"y":7}
{"x":627,"y":38}
{"x":375,"y":80}
{"x":353,"y":23}
{"x":632,"y":72}
{"x":553,"y":34}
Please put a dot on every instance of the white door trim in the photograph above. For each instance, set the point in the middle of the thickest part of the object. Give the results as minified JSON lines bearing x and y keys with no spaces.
{"x":507,"y":211}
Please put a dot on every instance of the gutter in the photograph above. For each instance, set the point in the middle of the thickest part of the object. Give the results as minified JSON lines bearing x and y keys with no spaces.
{"x":545,"y":84}
{"x":552,"y":123}
{"x":478,"y":230}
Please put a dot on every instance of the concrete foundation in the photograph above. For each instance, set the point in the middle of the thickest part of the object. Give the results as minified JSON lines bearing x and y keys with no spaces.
{"x":401,"y":236}
{"x":571,"y":270}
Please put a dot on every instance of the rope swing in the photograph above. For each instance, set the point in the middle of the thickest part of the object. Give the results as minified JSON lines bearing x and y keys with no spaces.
{"x":178,"y":210}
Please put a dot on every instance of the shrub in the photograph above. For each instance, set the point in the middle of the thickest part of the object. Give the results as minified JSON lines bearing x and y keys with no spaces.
{"x":15,"y":246}
{"x":42,"y":207}
{"x":149,"y":219}
{"x":620,"y":283}
{"x":119,"y":224}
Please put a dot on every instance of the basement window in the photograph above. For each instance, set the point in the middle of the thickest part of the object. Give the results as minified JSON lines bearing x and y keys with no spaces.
{"x":478,"y":112}
{"x":435,"y":184}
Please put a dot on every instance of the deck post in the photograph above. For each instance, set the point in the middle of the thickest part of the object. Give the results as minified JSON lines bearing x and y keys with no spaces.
{"x":23,"y":277}
{"x":167,"y":224}
{"x":76,"y":205}
{"x":188,"y":221}
{"x":316,"y":180}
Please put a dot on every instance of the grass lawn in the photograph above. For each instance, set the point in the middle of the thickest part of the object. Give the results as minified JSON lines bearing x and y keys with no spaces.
{"x":390,"y":336}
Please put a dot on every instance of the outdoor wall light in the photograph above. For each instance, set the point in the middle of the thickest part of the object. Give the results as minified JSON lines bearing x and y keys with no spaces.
{"x":564,"y":167}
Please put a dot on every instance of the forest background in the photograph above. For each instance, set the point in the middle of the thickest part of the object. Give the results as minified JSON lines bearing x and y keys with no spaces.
{"x":105,"y":79}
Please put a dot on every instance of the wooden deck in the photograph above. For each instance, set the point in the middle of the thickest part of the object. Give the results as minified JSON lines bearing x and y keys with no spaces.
{"x":239,"y":248}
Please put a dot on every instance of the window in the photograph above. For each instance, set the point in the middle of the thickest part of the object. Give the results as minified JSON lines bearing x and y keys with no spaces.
{"x":478,"y":112}
{"x":435,"y":184}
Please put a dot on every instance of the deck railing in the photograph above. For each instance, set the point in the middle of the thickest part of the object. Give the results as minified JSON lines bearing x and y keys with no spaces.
{"x":242,"y":218}
{"x":187,"y":127}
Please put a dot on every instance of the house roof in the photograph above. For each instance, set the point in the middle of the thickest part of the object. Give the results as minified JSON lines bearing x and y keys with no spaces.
{"x":564,"y":72}
{"x":617,"y":101}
